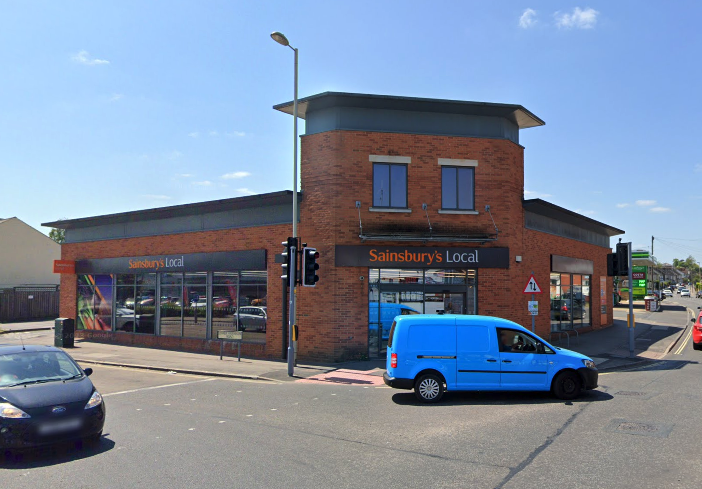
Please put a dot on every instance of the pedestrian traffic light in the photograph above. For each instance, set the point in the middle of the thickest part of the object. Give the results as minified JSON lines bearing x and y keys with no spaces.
{"x":289,"y":257}
{"x":622,"y":259}
{"x":310,"y":267}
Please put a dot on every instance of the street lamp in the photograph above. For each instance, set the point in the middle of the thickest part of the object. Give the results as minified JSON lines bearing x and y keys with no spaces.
{"x":282,"y":40}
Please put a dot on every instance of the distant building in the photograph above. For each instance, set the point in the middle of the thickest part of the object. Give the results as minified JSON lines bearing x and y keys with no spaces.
{"x":26,"y":255}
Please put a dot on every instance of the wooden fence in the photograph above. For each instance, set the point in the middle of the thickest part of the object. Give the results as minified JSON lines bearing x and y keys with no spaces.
{"x":28,"y":303}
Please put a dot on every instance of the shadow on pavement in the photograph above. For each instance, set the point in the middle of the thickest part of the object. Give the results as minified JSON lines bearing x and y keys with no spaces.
{"x":498,"y":398}
{"x":653,"y":365}
{"x":54,"y":454}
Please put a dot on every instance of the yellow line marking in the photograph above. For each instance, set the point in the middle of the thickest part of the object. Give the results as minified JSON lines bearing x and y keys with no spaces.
{"x":684,"y":343}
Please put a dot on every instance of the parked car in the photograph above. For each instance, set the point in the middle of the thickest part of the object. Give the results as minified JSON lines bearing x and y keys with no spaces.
{"x":667,"y":293}
{"x":697,"y":331}
{"x":127,"y":320}
{"x":253,"y":318}
{"x":46,"y":398}
{"x":435,"y":353}
{"x":684,"y":292}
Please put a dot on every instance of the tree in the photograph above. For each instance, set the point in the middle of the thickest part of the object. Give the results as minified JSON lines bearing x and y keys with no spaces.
{"x":58,"y":235}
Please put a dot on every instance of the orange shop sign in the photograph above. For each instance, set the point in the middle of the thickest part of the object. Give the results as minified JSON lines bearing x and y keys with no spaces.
{"x":64,"y":266}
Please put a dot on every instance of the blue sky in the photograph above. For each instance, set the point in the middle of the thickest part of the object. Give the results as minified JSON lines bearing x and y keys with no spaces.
{"x":122,"y":105}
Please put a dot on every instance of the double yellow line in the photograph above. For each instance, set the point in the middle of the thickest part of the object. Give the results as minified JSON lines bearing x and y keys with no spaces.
{"x":687,"y":336}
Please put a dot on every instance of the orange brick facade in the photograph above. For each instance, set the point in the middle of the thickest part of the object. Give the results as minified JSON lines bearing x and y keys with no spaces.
{"x":335,"y":173}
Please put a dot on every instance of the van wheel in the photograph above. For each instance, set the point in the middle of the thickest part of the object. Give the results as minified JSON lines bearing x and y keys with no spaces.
{"x":429,"y":388}
{"x":566,"y":385}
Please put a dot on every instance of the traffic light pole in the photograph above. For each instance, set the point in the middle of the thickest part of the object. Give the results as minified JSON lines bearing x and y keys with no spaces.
{"x":291,"y":317}
{"x":631,"y":323}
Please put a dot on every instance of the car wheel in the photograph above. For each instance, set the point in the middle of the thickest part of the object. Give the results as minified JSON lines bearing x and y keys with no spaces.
{"x":566,"y":385}
{"x":429,"y":388}
{"x":697,"y":346}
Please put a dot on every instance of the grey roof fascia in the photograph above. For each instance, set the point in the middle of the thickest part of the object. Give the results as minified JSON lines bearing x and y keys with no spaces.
{"x":517,"y":114}
{"x":246,"y":202}
{"x":547,"y":209}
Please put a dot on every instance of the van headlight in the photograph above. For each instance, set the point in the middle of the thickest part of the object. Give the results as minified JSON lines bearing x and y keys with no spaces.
{"x":95,"y":400}
{"x":589,"y":364}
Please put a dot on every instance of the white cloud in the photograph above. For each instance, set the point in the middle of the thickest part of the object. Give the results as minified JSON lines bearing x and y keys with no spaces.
{"x":698,"y":168}
{"x":237,"y":134}
{"x":621,"y":206}
{"x":579,"y":19}
{"x":246,"y":191}
{"x":528,"y":19}
{"x":116,"y":96}
{"x":660,"y":209}
{"x":185,"y":175}
{"x":83,"y":57}
{"x":535,"y":195}
{"x":645,"y":203}
{"x":194,"y":134}
{"x":214,"y":133}
{"x":204,"y":183}
{"x":236,"y":174}
{"x":585,"y":213}
{"x":174,"y":155}
{"x":156,"y":197}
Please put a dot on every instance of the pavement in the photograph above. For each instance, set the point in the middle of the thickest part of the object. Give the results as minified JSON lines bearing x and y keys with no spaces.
{"x":656,"y":333}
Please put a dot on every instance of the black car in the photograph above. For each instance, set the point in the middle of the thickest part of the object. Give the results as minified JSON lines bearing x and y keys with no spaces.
{"x":46,"y":398}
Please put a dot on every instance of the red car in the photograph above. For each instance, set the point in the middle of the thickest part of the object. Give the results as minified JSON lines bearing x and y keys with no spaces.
{"x":697,"y":332}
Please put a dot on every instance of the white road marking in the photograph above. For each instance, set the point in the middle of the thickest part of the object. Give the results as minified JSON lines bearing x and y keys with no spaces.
{"x":156,"y":387}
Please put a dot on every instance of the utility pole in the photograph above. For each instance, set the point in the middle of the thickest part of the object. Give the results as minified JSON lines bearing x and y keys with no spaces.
{"x":631,"y":321}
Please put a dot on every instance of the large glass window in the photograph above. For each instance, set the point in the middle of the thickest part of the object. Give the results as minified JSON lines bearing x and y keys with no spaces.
{"x":389,"y":185}
{"x":171,"y":303}
{"x":457,"y":188}
{"x":136,"y":303}
{"x":195,"y":310}
{"x":224,"y":301}
{"x":570,"y":301}
{"x":252,"y":314}
{"x":94,"y":302}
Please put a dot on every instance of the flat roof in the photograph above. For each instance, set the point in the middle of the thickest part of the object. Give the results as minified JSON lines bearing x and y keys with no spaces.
{"x":543,"y":208}
{"x":515,"y":113}
{"x":246,"y":202}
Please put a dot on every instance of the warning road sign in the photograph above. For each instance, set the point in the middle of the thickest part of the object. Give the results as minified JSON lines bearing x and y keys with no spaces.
{"x":532,"y":287}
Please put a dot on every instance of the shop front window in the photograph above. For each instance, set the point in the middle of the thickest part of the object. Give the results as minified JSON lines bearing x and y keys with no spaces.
{"x":252,"y":313}
{"x":570,"y":301}
{"x":195,"y":306}
{"x":224,"y":301}
{"x":94,"y":302}
{"x":171,"y":304}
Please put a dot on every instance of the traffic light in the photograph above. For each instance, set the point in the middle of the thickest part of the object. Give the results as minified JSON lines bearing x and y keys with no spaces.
{"x":622,"y":254}
{"x":289,"y":260}
{"x":310,"y":267}
{"x":612,"y":270}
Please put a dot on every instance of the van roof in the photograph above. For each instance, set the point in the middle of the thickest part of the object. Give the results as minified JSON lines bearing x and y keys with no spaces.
{"x":463,"y":317}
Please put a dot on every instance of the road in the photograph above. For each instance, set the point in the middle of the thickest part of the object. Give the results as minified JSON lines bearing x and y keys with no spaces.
{"x":639,"y":429}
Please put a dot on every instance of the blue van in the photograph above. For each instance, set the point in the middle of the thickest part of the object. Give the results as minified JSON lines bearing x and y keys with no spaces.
{"x":434,"y":353}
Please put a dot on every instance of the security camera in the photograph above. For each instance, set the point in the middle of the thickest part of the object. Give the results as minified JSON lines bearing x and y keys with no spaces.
{"x":361,"y":278}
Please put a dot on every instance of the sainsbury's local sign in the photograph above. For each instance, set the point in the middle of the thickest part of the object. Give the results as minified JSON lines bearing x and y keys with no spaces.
{"x":421,"y":257}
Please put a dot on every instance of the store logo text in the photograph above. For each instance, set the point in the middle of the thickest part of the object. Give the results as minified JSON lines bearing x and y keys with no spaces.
{"x":158,"y":264}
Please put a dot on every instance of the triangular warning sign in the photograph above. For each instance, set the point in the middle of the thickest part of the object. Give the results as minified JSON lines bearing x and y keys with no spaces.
{"x":532,"y":287}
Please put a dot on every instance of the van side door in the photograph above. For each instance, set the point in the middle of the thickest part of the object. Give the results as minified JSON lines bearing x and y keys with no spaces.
{"x":477,"y":356}
{"x":523,"y":367}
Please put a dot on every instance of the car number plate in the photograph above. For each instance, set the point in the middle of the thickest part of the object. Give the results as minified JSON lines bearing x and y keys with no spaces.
{"x":55,"y":427}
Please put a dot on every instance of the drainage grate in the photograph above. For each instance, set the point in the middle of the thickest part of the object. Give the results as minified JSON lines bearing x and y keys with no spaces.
{"x":640,"y":428}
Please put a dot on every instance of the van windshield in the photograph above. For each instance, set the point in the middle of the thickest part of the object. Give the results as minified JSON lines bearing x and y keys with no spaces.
{"x":392,"y":330}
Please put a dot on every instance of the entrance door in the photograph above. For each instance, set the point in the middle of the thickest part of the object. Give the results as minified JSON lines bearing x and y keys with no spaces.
{"x":445,"y":303}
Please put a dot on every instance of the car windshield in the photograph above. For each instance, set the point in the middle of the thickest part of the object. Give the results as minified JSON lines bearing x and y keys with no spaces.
{"x":28,"y":367}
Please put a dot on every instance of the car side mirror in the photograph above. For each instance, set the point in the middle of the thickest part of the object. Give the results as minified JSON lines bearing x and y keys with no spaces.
{"x":88,"y":371}
{"x":692,"y":319}
{"x":540,"y":348}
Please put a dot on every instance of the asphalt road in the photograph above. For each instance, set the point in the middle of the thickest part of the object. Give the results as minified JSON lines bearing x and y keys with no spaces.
{"x":639,"y":429}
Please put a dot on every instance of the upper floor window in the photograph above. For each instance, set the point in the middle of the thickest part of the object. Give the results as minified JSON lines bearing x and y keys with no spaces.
{"x":458,"y":188}
{"x":390,"y":185}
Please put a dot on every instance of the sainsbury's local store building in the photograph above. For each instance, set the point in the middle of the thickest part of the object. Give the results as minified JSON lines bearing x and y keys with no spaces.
{"x":415,"y":205}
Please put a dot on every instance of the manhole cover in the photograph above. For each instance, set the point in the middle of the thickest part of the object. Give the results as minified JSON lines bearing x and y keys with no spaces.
{"x":637,"y":427}
{"x":640,"y":428}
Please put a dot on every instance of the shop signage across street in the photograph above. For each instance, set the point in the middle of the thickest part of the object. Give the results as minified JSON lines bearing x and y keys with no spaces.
{"x":421,"y":257}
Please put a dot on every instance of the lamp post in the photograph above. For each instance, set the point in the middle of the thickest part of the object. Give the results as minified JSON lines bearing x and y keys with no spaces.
{"x":282,"y":40}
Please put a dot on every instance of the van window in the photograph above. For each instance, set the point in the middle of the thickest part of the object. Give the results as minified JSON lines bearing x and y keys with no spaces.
{"x":409,"y":312}
{"x":514,"y":341}
{"x":392,"y":331}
